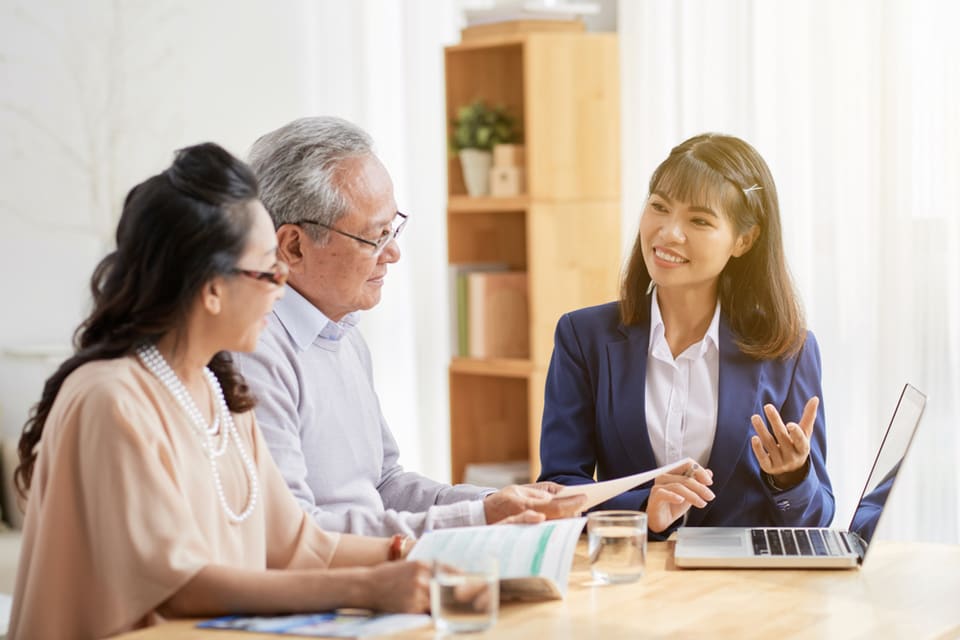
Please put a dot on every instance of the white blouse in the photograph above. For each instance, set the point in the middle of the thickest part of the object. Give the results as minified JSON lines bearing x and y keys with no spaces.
{"x":682,"y":393}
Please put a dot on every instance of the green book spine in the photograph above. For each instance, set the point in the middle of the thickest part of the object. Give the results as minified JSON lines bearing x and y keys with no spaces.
{"x":463,"y":329}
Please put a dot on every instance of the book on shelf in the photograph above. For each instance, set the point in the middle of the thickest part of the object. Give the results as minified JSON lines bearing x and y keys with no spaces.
{"x":497,"y":474}
{"x":497,"y":315}
{"x":462,"y":347}
{"x":534,"y":560}
{"x":459,"y":303}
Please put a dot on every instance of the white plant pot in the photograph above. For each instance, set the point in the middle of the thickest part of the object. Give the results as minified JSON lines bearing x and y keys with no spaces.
{"x":476,"y":165}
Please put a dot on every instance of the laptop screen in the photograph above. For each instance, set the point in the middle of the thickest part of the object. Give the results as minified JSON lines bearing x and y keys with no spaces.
{"x":894,"y":448}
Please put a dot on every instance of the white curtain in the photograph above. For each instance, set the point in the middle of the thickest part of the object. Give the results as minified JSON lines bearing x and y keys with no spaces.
{"x":855,"y":104}
{"x":388,"y":56}
{"x":96,"y":95}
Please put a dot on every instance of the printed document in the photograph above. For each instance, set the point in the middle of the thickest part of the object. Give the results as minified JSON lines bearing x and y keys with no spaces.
{"x":534,"y":559}
{"x":598,"y":492}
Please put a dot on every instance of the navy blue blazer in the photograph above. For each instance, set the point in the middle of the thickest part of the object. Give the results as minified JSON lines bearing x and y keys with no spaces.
{"x":594,"y":419}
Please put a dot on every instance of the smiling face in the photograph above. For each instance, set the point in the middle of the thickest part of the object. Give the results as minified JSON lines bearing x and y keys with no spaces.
{"x":340,"y":274}
{"x":686,"y":245}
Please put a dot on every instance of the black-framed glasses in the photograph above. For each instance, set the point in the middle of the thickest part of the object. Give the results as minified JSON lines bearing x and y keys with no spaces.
{"x":378,"y":245}
{"x":278,"y":276}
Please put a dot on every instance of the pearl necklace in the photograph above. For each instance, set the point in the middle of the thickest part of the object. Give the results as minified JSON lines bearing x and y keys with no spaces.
{"x":152,"y":359}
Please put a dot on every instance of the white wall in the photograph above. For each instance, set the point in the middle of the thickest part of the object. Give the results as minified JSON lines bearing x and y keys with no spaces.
{"x":95,"y":96}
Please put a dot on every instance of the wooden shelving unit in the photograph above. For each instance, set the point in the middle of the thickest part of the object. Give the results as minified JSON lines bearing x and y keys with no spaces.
{"x":503,"y":367}
{"x":564,"y":232}
{"x":466,"y":204}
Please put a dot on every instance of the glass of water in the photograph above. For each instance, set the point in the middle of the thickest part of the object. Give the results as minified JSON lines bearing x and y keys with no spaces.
{"x":465,"y":597}
{"x":617,"y":542}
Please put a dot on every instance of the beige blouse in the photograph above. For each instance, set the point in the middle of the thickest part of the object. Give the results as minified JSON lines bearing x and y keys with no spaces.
{"x":123,"y":510}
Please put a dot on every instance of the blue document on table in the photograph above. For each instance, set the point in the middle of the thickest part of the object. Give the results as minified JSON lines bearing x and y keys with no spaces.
{"x":335,"y":624}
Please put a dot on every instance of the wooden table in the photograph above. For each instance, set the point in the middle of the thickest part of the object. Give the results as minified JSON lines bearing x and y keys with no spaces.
{"x":905,"y":590}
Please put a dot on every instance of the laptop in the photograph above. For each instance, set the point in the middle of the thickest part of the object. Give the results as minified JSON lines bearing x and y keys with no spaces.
{"x":807,"y":547}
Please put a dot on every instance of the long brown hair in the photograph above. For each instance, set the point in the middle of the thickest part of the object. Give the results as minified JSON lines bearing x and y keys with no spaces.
{"x":756,"y":293}
{"x":178,"y":230}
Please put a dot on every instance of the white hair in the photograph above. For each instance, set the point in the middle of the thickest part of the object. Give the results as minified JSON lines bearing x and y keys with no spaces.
{"x":299,"y":168}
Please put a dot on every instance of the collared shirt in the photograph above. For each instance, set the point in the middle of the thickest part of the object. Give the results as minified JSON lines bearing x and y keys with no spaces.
{"x":682,"y":392}
{"x":320,"y":416}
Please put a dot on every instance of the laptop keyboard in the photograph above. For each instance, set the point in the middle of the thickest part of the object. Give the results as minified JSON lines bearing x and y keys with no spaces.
{"x":798,"y":542}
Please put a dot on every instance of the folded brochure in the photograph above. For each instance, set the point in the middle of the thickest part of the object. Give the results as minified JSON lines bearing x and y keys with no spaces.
{"x":534,"y":559}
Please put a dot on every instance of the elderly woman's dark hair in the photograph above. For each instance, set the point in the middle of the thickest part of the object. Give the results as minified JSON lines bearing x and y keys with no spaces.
{"x":756,"y":292}
{"x":178,"y":230}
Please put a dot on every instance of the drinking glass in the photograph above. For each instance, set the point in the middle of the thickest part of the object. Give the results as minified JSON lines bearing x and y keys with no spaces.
{"x":465,"y":596}
{"x":617,"y":542}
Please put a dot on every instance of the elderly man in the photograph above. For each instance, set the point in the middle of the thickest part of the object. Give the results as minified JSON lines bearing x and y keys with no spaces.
{"x":337,"y":222}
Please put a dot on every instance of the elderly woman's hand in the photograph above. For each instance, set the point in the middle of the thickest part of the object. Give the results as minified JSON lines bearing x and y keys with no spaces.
{"x":402,"y":587}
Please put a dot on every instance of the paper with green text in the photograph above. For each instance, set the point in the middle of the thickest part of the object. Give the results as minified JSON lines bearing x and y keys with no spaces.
{"x":534,"y":559}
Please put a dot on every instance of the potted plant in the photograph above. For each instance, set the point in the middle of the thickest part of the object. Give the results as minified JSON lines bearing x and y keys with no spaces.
{"x":476,"y":129}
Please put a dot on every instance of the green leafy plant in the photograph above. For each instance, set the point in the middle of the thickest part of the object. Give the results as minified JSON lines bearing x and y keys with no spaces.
{"x":479,"y":126}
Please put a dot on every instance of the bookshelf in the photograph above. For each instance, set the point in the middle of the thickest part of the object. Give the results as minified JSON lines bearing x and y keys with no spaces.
{"x":564,"y":232}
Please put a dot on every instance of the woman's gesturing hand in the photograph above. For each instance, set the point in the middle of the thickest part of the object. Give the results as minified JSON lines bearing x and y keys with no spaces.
{"x":783,"y":449}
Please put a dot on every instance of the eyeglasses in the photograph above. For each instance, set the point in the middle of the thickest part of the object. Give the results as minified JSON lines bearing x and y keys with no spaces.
{"x":378,"y":245}
{"x":278,"y":276}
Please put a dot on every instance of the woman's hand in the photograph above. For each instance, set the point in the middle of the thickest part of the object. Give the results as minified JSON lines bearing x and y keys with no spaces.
{"x":400,"y":587}
{"x":674,"y":493}
{"x":479,"y":593}
{"x":782,"y":451}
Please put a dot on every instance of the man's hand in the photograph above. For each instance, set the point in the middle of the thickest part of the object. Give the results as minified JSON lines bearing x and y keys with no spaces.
{"x":517,"y":499}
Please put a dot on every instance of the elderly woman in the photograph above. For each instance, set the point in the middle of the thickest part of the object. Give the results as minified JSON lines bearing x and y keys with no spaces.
{"x":150,"y":491}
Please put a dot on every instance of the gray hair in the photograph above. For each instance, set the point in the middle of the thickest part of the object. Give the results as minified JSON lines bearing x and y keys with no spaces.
{"x":299,"y":168}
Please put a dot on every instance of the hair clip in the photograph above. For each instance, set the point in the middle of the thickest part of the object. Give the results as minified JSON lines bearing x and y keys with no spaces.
{"x":754,"y":187}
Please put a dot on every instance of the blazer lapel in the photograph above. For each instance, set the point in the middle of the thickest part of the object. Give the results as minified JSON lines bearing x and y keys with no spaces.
{"x":626,"y":404}
{"x":738,"y":392}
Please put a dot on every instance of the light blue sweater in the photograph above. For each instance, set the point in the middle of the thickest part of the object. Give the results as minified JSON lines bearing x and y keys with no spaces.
{"x":319,"y":413}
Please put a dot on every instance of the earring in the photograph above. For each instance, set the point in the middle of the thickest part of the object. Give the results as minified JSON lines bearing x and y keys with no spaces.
{"x":650,"y":287}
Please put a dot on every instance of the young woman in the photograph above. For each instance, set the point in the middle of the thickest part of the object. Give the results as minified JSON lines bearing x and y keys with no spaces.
{"x":706,"y":338}
{"x":149,"y":489}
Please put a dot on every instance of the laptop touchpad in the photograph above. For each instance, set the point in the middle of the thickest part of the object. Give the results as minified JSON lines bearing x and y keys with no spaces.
{"x":726,"y":541}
